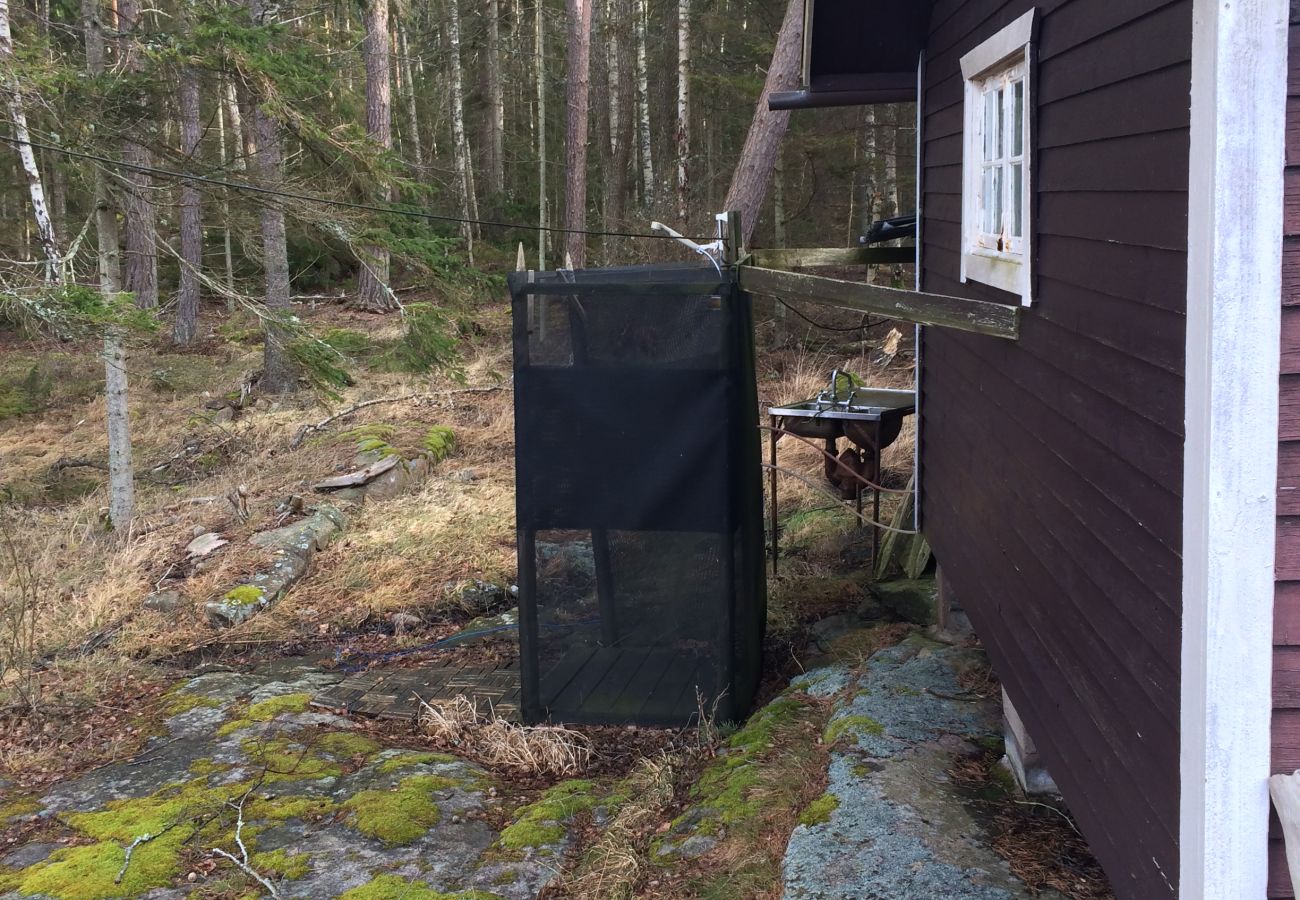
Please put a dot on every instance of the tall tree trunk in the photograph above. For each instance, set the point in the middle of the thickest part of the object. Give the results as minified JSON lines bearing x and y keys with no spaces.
{"x":460,"y":141}
{"x":778,"y":238}
{"x":227,"y":249}
{"x":889,"y":198}
{"x":683,"y":108}
{"x":373,"y":292}
{"x":539,"y":75}
{"x":496,"y":103}
{"x":575,"y":132}
{"x":121,"y":474}
{"x":412,"y":114}
{"x":141,"y":217}
{"x":278,"y":375}
{"x":643,"y":107}
{"x":621,"y":92}
{"x":35,"y":187}
{"x":867,"y":185}
{"x":237,"y":131}
{"x":766,"y":131}
{"x":186,"y":326}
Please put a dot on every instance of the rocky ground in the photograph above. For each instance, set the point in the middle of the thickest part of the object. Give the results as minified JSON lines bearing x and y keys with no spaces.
{"x":842,"y":786}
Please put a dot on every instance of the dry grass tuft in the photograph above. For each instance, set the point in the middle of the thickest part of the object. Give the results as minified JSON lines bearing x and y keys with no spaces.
{"x":536,"y":750}
{"x":613,"y":866}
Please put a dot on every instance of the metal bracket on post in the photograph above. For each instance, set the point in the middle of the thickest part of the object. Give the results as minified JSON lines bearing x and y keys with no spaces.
{"x":733,"y":237}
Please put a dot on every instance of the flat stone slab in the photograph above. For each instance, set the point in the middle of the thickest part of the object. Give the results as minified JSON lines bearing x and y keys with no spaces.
{"x":899,"y":827}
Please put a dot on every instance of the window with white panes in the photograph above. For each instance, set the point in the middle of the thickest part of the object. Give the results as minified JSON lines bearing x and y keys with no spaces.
{"x":996,"y":161}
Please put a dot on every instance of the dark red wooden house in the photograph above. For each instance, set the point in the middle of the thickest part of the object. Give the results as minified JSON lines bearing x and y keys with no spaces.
{"x":1112,"y":496}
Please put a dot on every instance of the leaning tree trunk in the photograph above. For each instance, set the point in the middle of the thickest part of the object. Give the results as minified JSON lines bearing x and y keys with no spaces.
{"x":496,"y":104}
{"x":186,"y":326}
{"x":539,"y":75}
{"x":683,"y":109}
{"x":575,"y":133}
{"x":763,"y":143}
{"x":278,"y":375}
{"x":460,"y":141}
{"x":141,"y":219}
{"x":373,"y":292}
{"x":22,"y":140}
{"x":121,"y":475}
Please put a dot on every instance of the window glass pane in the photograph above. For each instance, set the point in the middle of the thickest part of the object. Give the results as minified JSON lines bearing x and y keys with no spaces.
{"x":995,"y":201}
{"x":1017,"y":199}
{"x":1000,"y":130}
{"x":1018,"y":120}
{"x":989,"y":125}
{"x":986,"y":217}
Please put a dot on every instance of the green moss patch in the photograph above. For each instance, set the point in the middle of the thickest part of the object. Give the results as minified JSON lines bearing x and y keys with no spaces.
{"x":819,"y":810}
{"x":266,"y":710}
{"x":245,"y":595}
{"x":347,"y":744}
{"x":401,"y":815}
{"x":391,"y":887}
{"x":410,"y":759}
{"x":542,"y":822}
{"x":286,"y":760}
{"x":23,"y":806}
{"x":839,"y":727}
{"x":90,"y":872}
{"x":281,"y":863}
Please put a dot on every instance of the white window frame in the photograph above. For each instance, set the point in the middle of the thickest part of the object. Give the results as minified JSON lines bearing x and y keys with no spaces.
{"x":995,"y":255}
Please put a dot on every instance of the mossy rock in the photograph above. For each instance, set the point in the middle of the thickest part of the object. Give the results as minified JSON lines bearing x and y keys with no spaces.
{"x":401,"y":815}
{"x":851,"y":724}
{"x":392,"y":887}
{"x":915,"y":601}
{"x":819,"y":811}
{"x":543,"y":823}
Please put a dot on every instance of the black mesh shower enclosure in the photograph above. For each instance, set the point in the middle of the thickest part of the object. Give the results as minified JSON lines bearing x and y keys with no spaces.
{"x":639,"y":499}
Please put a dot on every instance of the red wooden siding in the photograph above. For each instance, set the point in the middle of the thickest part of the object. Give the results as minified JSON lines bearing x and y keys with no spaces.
{"x":1286,"y":607}
{"x":1052,"y":467}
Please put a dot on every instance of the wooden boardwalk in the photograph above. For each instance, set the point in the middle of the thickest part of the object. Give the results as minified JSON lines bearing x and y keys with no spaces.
{"x":396,"y":693}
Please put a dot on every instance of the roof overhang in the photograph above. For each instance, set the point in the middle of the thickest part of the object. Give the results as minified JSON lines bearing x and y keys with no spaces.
{"x":857,"y":52}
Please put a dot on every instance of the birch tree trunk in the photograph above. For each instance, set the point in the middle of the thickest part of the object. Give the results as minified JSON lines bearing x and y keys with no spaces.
{"x":237,"y":131}
{"x":643,"y":107}
{"x":683,"y":108}
{"x":278,"y":376}
{"x":460,"y":142}
{"x":867,"y":186}
{"x":186,"y":326}
{"x":889,"y":206}
{"x":496,"y":103}
{"x":227,"y":249}
{"x":35,"y":187}
{"x":121,"y":474}
{"x":412,"y":115}
{"x":539,"y":75}
{"x":575,"y":131}
{"x":141,"y":217}
{"x":373,"y":292}
{"x":763,"y":142}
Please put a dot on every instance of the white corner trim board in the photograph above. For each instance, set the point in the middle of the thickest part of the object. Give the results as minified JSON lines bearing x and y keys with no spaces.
{"x":1234,"y":239}
{"x":997,"y":48}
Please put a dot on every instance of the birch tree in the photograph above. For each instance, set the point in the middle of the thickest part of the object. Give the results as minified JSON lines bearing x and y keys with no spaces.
{"x":185,"y":328}
{"x":575,"y":131}
{"x":121,"y":474}
{"x":372,"y":282}
{"x":643,"y":107}
{"x":27,"y":158}
{"x":762,"y":147}
{"x":408,"y":84}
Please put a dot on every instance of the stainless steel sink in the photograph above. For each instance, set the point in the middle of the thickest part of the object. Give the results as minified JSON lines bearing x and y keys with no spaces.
{"x":855,"y":417}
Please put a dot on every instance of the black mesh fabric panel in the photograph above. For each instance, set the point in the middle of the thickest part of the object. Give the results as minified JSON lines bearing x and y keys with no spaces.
{"x":639,"y":495}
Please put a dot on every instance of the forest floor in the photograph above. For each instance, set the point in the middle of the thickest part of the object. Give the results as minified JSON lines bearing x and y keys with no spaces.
{"x":137,"y":735}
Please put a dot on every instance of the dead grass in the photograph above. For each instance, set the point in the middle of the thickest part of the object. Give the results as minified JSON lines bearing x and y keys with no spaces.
{"x":550,"y":750}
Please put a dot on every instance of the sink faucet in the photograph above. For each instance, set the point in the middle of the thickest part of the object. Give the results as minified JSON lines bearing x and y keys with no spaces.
{"x":831,"y":395}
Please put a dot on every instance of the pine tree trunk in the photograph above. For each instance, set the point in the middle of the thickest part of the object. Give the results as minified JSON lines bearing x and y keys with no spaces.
{"x":496,"y":103}
{"x":186,"y":326}
{"x":412,"y":114}
{"x":121,"y":475}
{"x":141,"y":214}
{"x":539,"y":75}
{"x":35,"y":187}
{"x":460,"y":141}
{"x":683,"y":109}
{"x":278,"y":375}
{"x":575,"y":132}
{"x":767,"y":130}
{"x":621,"y":92}
{"x":373,"y":292}
{"x":643,"y":107}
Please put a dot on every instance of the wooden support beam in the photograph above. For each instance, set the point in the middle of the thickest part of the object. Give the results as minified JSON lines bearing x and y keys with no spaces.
{"x":808,"y":257}
{"x":978,"y":316}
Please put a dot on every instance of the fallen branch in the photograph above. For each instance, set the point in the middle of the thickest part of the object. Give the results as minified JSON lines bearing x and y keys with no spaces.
{"x":78,"y":462}
{"x":142,"y":839}
{"x":244,"y":864}
{"x":313,"y":427}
